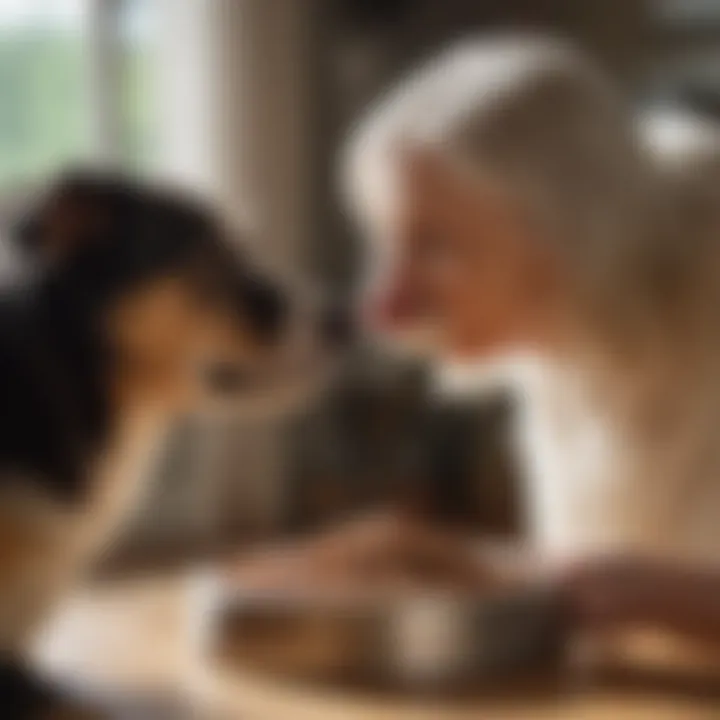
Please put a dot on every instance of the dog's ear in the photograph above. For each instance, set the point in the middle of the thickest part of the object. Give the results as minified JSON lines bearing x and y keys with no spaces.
{"x":69,"y":214}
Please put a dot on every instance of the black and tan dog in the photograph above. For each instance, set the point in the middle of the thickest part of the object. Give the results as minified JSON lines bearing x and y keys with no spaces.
{"x":129,"y":308}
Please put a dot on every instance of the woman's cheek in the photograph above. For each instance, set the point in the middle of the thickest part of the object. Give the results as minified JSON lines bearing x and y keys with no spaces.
{"x":394,"y":303}
{"x":474,"y":326}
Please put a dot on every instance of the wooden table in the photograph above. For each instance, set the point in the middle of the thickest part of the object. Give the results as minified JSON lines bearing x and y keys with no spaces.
{"x":142,"y":637}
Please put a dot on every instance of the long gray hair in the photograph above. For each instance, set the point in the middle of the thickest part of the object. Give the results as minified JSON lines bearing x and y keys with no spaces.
{"x":533,"y":114}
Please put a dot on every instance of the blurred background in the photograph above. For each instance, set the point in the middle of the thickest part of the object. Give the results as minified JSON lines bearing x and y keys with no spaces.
{"x":247,"y":101}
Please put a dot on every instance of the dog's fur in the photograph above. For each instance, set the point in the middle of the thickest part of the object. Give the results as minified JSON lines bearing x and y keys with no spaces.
{"x":126,"y":305}
{"x":616,"y":219}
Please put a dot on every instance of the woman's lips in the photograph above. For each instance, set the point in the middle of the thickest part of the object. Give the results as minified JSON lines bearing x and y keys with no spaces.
{"x":392,"y":311}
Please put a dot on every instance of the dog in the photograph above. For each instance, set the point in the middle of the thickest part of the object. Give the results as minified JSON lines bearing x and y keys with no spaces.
{"x":520,"y":214}
{"x":127,"y":307}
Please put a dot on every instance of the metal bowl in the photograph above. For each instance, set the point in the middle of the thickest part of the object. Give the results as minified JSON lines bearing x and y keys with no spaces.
{"x":423,"y":639}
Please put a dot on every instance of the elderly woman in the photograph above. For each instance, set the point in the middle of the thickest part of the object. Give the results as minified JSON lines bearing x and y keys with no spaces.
{"x":515,"y":210}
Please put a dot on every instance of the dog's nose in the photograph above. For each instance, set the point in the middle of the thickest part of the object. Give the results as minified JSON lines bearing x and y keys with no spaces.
{"x":225,"y":378}
{"x":337,"y":326}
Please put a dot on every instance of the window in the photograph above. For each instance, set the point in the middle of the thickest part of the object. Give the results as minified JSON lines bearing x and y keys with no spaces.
{"x":688,"y":13}
{"x":138,"y":139}
{"x":75,"y":83}
{"x":685,"y":55}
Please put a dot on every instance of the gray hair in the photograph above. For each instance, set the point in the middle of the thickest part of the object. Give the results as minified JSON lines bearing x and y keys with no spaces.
{"x":531,"y":113}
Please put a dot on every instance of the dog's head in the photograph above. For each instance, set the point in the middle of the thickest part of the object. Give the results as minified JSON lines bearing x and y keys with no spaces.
{"x":186,"y":316}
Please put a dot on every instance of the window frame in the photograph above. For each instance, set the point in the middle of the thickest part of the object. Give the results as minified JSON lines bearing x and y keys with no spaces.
{"x":104,"y":72}
{"x":102,"y":48}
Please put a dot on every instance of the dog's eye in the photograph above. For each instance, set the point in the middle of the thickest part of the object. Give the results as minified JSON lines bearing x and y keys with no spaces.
{"x":227,"y":377}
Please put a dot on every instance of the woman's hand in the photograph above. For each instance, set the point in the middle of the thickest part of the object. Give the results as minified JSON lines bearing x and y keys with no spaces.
{"x":627,"y":591}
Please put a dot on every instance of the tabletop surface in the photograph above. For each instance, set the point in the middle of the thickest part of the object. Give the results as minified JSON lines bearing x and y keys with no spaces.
{"x":146,"y":637}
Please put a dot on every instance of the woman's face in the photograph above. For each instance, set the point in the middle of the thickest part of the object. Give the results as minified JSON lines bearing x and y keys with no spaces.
{"x":462,"y":270}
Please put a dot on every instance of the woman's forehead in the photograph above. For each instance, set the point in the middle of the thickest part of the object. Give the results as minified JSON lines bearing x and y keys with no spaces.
{"x":397,"y":189}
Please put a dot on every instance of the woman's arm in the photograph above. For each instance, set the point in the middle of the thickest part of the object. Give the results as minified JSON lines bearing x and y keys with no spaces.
{"x":683,"y":599}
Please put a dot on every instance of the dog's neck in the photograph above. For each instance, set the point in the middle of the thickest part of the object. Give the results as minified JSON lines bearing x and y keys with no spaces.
{"x":61,"y":366}
{"x":73,"y":460}
{"x":69,"y":332}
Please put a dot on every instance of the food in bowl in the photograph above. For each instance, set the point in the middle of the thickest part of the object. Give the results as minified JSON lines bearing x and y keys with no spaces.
{"x":385,"y":597}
